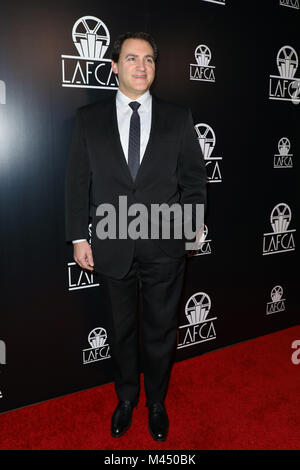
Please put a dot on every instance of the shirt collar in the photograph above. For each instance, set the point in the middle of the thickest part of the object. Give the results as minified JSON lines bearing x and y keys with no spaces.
{"x":123,"y":100}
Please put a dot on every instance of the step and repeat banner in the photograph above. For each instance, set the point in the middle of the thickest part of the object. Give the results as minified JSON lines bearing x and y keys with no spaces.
{"x":235,"y":64}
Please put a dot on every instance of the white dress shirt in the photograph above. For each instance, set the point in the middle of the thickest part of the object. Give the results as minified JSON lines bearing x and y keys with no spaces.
{"x":124,"y":113}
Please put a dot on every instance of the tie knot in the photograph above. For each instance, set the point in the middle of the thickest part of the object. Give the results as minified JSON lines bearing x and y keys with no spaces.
{"x":134,"y":105}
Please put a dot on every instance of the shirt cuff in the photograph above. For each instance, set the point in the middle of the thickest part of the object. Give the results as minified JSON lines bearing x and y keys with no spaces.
{"x":81,"y":240}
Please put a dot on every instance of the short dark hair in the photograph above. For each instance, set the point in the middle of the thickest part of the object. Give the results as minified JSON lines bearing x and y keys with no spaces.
{"x":115,"y":54}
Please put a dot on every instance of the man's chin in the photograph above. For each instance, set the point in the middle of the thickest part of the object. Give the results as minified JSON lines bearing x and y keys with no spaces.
{"x":141,"y":90}
{"x":141,"y":84}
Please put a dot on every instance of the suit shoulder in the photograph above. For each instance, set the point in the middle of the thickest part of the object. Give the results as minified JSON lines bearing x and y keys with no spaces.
{"x":171,"y":107}
{"x":96,"y":106}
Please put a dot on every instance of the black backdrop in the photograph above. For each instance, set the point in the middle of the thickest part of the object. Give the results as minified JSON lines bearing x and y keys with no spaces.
{"x":243,"y":282}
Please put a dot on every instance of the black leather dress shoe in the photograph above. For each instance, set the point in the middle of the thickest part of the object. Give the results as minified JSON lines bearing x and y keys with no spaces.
{"x":121,"y":418}
{"x":158,"y":421}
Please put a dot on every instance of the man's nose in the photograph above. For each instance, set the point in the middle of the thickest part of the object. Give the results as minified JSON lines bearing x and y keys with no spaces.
{"x":141,"y":65}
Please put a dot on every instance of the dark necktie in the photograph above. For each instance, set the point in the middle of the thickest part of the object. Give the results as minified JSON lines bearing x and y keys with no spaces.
{"x":134,"y":140}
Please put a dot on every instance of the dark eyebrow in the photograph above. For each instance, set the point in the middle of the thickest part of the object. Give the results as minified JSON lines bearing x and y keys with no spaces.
{"x":136,"y":55}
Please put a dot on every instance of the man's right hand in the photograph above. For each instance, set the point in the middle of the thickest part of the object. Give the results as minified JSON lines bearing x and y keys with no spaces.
{"x":83,"y":255}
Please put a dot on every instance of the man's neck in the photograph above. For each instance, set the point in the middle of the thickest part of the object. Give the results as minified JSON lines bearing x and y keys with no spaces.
{"x":131,"y":96}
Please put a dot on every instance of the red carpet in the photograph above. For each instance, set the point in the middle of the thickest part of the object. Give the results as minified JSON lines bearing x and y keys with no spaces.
{"x":245,"y":396}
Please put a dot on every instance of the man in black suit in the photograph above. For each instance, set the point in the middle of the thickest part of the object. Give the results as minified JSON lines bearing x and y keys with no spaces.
{"x":144,"y":149}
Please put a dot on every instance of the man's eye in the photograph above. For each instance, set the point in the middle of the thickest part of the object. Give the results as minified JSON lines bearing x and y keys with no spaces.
{"x":131,"y":58}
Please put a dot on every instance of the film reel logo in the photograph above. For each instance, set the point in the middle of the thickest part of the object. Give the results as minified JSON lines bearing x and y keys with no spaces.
{"x":202,"y":55}
{"x":202,"y":71}
{"x":97,"y":337}
{"x":197,"y":308}
{"x":284,"y":146}
{"x":199,"y":328}
{"x":280,"y":218}
{"x":91,"y":37}
{"x":276,"y":293}
{"x":91,"y":69}
{"x":287,"y":62}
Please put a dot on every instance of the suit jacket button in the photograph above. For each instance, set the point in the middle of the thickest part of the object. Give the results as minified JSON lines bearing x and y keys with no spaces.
{"x":133,"y":191}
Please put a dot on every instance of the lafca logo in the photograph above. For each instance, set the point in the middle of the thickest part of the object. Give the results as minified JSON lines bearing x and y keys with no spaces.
{"x":202,"y":71}
{"x":285,"y":86}
{"x":207,"y":142}
{"x":90,"y":69}
{"x":281,"y":239}
{"x":99,"y":350}
{"x":284,"y":158}
{"x":204,"y":245}
{"x":2,"y":92}
{"x":278,"y":303}
{"x":78,"y":278}
{"x":290,"y":3}
{"x":199,"y":327}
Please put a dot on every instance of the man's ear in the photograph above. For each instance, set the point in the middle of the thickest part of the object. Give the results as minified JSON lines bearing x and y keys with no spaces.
{"x":114,"y":67}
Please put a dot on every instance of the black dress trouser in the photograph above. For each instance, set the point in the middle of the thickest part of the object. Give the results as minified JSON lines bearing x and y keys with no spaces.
{"x":154,"y":282}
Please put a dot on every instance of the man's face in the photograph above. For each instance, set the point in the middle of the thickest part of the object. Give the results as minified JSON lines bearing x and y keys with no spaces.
{"x":135,"y":67}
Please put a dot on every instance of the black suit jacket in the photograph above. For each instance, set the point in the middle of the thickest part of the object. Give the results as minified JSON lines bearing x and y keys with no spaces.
{"x":172,"y":171}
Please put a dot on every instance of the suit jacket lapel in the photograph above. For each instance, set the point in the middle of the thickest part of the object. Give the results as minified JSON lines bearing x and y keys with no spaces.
{"x":115,"y":140}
